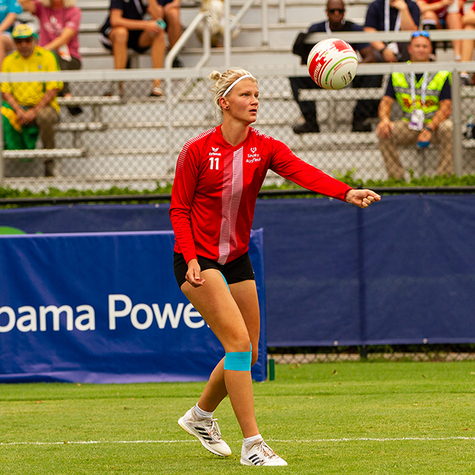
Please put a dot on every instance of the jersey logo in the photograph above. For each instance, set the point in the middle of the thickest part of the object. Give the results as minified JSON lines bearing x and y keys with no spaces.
{"x":253,"y":156}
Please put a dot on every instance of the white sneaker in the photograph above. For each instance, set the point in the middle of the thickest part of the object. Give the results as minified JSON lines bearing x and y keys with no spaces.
{"x":260,"y":453}
{"x":207,"y":431}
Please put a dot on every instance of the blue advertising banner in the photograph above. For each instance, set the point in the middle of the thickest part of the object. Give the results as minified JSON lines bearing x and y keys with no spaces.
{"x":400,"y":272}
{"x":105,"y":307}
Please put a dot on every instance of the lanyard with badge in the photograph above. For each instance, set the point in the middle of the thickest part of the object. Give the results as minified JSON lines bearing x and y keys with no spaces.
{"x":387,"y":27}
{"x":417,"y":115}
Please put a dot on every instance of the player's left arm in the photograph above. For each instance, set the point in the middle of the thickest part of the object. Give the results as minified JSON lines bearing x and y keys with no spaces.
{"x":361,"y":198}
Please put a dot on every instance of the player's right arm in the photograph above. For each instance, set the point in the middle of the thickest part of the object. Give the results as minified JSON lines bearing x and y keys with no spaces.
{"x":184,"y":185}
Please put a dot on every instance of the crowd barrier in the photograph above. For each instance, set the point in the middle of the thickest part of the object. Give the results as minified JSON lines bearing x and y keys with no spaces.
{"x":400,"y":272}
{"x":104,"y":308}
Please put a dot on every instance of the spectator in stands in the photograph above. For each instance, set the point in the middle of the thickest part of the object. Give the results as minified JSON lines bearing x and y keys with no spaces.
{"x":425,"y":100}
{"x":468,"y":22}
{"x":391,"y":15}
{"x":364,"y":109}
{"x":125,"y":28}
{"x":29,"y":108}
{"x":437,"y":14}
{"x":59,"y":22}
{"x":9,"y":9}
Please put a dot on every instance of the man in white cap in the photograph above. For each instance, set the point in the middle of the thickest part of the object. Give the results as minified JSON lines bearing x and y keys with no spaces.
{"x":30,"y":108}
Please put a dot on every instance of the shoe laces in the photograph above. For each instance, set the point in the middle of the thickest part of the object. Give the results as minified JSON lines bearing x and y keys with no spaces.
{"x":212,"y":429}
{"x":265,"y":450}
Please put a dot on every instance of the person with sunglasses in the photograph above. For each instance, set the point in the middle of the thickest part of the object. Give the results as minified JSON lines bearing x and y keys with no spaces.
{"x":30,"y":108}
{"x":364,"y":108}
{"x":426,"y":104}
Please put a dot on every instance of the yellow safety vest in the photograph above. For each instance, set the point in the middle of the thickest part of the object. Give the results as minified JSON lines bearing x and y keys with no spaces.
{"x":402,"y":90}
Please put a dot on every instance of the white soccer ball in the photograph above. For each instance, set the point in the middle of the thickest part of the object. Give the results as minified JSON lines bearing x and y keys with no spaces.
{"x":332,"y":63}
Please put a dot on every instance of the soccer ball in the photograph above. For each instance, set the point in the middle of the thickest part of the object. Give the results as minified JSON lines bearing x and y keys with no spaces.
{"x":332,"y":63}
{"x":215,"y":8}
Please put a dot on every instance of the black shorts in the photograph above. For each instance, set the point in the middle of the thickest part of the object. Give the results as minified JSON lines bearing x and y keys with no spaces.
{"x":132,"y":43}
{"x":238,"y":270}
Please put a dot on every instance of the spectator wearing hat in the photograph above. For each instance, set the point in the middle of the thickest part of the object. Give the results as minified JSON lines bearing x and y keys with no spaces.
{"x":9,"y":9}
{"x":59,"y":22}
{"x":30,"y":109}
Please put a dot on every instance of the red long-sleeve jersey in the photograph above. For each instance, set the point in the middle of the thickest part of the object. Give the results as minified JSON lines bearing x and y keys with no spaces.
{"x":216,"y":186}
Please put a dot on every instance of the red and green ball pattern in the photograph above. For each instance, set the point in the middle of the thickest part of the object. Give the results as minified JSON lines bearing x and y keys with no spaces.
{"x":332,"y":63}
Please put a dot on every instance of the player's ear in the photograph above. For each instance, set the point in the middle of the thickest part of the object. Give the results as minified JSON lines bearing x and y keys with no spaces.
{"x":223,"y":102}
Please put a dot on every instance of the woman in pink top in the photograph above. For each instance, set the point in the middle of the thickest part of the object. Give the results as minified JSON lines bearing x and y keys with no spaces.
{"x":59,"y":32}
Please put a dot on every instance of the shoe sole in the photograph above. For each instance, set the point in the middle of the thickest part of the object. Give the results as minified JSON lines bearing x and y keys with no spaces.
{"x":182,"y":423}
{"x":247,"y":462}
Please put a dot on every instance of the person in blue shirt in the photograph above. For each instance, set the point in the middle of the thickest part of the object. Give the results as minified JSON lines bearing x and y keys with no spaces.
{"x":392,"y":15}
{"x":365,"y":108}
{"x":9,"y":9}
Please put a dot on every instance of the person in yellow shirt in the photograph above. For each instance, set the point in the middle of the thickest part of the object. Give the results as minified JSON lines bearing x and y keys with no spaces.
{"x":30,"y":108}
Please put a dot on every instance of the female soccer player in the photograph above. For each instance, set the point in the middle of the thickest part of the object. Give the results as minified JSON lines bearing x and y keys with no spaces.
{"x":218,"y":176}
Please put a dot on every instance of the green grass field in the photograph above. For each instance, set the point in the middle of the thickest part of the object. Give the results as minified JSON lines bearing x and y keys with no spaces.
{"x":333,"y":418}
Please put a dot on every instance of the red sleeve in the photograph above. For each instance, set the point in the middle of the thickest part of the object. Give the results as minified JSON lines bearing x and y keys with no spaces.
{"x":184,"y":185}
{"x":288,"y":165}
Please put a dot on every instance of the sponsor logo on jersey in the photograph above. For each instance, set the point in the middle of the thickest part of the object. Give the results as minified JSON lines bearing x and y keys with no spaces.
{"x":253,"y":155}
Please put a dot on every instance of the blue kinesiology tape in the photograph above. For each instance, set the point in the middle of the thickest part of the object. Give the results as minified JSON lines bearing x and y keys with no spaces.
{"x":225,"y":281}
{"x":238,"y":361}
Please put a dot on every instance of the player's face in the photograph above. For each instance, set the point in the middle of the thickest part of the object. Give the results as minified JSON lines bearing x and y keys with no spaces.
{"x":420,"y":49}
{"x":244,"y":101}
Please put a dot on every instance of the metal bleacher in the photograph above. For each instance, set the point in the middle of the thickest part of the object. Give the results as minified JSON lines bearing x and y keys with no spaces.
{"x":132,"y":140}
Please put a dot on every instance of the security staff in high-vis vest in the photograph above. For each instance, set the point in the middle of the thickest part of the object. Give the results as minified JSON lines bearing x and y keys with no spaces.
{"x":426,"y":103}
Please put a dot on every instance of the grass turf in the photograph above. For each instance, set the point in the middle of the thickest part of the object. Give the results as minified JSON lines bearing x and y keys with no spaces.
{"x":333,"y":418}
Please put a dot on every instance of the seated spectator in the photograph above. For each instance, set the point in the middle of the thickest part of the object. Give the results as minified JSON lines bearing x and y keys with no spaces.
{"x":59,"y":22}
{"x":8,"y":13}
{"x":364,"y":109}
{"x":468,"y":23}
{"x":391,"y":15}
{"x":125,"y":28}
{"x":425,"y":100}
{"x":29,"y":108}
{"x":438,"y":14}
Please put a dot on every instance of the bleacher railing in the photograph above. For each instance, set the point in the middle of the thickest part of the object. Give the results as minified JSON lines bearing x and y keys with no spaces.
{"x":133,"y":140}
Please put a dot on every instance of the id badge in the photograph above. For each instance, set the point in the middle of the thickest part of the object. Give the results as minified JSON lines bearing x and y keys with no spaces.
{"x":393,"y":47}
{"x":417,"y":120}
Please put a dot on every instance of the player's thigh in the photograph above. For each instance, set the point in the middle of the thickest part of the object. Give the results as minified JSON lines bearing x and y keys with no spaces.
{"x":217,"y":306}
{"x":245,"y":295}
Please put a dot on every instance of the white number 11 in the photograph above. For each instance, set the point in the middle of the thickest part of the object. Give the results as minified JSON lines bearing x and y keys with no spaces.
{"x":214,"y":163}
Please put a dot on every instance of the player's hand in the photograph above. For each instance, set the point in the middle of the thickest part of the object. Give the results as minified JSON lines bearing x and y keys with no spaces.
{"x":193,"y":274}
{"x":362,"y":198}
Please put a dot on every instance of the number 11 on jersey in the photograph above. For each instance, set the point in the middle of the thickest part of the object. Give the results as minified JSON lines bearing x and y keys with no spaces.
{"x":214,"y":163}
